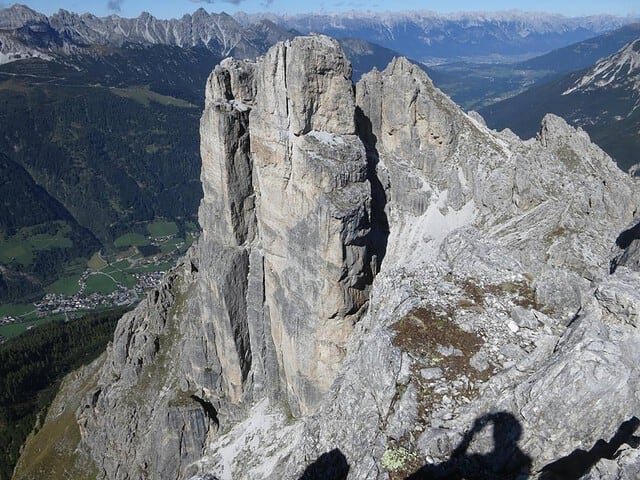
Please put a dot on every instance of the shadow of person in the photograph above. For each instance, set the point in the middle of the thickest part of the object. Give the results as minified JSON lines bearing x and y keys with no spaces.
{"x":624,"y":241}
{"x":329,"y":466}
{"x":505,"y":462}
{"x":579,"y":462}
{"x":628,"y":236}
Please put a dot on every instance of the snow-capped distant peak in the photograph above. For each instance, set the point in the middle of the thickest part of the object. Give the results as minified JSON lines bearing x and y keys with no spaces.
{"x":620,"y":70}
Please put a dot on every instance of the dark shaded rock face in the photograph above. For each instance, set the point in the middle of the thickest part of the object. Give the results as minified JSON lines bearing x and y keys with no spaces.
{"x":383,"y":288}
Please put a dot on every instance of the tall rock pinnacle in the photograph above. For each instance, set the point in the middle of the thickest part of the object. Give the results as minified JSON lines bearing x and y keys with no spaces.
{"x":287,"y":195}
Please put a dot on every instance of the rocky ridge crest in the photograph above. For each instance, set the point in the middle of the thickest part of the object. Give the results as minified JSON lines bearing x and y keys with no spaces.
{"x":620,"y":70}
{"x":25,"y":33}
{"x":383,"y":287}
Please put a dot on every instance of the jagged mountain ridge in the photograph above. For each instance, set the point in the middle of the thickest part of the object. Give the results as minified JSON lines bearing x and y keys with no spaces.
{"x":375,"y":288}
{"x":66,"y":31}
{"x":602,"y":99}
{"x":75,"y":40}
{"x":618,"y":71}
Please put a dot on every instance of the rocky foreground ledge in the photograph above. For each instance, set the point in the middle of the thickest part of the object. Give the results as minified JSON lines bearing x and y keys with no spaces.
{"x":384,"y":288}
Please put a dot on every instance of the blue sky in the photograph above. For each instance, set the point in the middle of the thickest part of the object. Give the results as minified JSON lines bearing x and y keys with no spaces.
{"x":176,"y":8}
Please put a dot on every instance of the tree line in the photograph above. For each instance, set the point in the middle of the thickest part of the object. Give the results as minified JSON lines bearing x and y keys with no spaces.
{"x":32,"y":366}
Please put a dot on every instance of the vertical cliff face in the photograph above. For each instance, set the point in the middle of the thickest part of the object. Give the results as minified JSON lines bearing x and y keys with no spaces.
{"x":505,"y":311}
{"x":313,"y":208}
{"x":288,"y":202}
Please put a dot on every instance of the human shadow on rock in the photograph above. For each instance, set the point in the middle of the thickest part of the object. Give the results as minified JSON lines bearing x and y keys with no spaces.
{"x":579,"y":462}
{"x":505,"y":462}
{"x":628,"y":236}
{"x":329,"y":466}
{"x":624,"y":241}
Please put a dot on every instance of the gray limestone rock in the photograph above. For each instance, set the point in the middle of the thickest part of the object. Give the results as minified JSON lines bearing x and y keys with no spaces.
{"x":523,"y":317}
{"x":431,"y":373}
{"x":382,"y":284}
{"x":619,"y":297}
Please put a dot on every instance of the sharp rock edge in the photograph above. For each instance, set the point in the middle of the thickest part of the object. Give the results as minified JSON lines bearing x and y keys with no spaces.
{"x":381,"y":282}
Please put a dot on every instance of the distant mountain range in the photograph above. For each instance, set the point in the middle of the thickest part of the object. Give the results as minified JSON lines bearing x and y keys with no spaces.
{"x":476,"y":85}
{"x":434,"y":38}
{"x":585,"y":53}
{"x":603,"y":99}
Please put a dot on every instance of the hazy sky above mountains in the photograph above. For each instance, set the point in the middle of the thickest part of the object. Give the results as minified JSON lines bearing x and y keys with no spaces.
{"x":177,"y":8}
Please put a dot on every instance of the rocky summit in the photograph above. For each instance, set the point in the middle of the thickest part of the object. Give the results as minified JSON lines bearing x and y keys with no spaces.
{"x":384,"y":288}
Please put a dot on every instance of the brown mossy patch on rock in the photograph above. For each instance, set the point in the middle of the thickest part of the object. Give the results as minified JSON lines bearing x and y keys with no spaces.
{"x":441,"y":371}
{"x":424,"y":329}
{"x":432,"y":338}
{"x":520,"y":292}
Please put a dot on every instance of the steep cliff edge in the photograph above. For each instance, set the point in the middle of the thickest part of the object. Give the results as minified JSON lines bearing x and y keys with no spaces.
{"x":383,"y":287}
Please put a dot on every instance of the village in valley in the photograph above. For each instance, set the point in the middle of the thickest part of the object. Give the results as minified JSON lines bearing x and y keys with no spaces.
{"x":112,"y":280}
